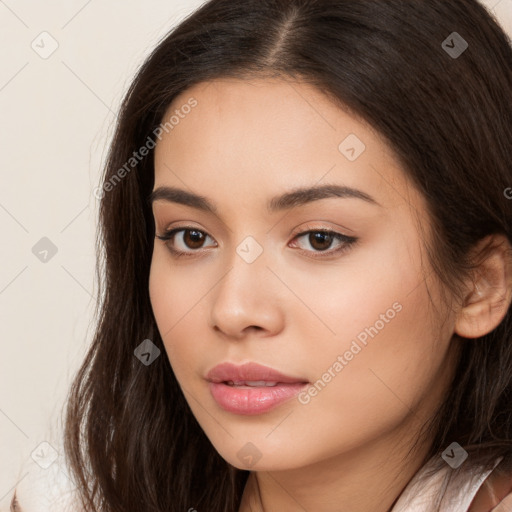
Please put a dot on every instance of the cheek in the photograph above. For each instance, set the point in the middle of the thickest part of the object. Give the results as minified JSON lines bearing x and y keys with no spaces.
{"x":168,"y":305}
{"x":178,"y":299}
{"x":386,"y":361}
{"x":173,"y":291}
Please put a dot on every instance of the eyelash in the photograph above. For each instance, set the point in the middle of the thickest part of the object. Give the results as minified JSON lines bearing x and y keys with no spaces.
{"x":348,"y":241}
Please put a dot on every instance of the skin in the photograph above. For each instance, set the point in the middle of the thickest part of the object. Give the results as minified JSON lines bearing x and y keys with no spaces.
{"x":245,"y":142}
{"x":495,"y":488}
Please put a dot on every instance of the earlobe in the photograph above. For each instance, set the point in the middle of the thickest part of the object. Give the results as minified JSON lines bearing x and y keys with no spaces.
{"x":488,"y":301}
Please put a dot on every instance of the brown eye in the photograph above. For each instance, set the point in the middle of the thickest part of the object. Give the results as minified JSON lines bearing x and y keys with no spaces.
{"x":323,"y":242}
{"x":185,"y":241}
{"x":320,"y":241}
{"x":193,"y":239}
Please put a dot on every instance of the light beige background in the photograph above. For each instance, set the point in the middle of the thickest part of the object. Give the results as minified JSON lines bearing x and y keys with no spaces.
{"x":57,"y":115}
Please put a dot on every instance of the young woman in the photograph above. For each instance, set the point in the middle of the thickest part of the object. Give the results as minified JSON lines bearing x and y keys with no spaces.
{"x":307,"y":276}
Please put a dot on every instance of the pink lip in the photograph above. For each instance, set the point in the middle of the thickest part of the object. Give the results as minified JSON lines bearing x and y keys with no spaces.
{"x":247,"y":400}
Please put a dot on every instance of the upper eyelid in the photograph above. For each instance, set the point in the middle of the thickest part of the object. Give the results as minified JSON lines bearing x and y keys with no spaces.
{"x":301,"y":231}
{"x":174,"y":231}
{"x":308,"y":228}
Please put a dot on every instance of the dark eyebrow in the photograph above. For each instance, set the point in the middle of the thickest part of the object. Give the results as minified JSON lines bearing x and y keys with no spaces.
{"x":301,"y":196}
{"x":292,"y":199}
{"x":177,"y":195}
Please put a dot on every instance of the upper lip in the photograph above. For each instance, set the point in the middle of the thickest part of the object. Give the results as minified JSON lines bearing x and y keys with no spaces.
{"x":225,"y":372}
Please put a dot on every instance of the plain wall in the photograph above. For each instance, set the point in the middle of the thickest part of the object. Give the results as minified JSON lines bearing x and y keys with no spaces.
{"x":57,"y":115}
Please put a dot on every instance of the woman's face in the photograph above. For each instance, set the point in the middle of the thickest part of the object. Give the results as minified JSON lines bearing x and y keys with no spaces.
{"x":348,"y":320}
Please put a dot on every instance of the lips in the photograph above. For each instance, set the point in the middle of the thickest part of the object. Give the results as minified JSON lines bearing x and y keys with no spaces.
{"x":251,"y":374}
{"x":251,"y":383}
{"x":251,"y":388}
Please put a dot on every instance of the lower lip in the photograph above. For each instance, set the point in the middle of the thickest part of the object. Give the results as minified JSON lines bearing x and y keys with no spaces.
{"x":254,"y":400}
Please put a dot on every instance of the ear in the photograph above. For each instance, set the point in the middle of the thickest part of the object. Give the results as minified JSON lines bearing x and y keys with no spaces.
{"x":490,"y":293}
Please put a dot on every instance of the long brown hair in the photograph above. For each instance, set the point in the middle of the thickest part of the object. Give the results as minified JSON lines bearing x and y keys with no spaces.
{"x":130,"y":438}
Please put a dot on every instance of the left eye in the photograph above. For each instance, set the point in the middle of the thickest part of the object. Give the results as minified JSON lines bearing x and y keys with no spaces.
{"x":322,"y":240}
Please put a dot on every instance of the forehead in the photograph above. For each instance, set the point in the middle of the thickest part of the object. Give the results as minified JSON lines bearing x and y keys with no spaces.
{"x":266,"y":135}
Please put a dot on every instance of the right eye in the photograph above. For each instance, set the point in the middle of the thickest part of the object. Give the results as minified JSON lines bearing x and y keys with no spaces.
{"x":190,"y":238}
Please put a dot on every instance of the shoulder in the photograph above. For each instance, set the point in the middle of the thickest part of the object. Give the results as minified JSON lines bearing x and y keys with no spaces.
{"x":472,"y":489}
{"x":44,"y":490}
{"x":495,"y":494}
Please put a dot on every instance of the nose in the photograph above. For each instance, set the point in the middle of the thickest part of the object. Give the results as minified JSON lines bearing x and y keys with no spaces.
{"x":247,"y":300}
